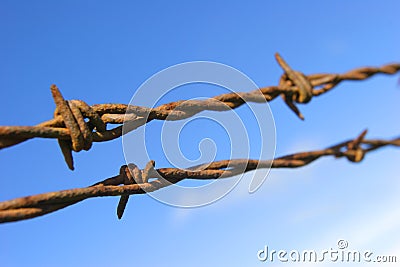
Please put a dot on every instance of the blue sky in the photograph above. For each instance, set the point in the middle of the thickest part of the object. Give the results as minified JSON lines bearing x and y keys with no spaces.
{"x":101,"y":52}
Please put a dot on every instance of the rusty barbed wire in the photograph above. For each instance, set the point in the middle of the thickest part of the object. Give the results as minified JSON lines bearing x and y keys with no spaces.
{"x":74,"y":133}
{"x":131,"y":180}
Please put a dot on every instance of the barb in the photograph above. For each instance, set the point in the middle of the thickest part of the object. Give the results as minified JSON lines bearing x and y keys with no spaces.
{"x":75,"y":134}
{"x":132,"y":181}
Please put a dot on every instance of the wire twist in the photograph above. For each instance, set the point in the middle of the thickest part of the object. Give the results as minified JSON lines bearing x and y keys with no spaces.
{"x":77,"y":125}
{"x":131,"y":180}
{"x":73,"y":113}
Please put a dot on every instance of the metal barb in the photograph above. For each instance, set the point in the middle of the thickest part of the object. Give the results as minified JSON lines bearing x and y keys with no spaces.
{"x":125,"y":184}
{"x":75,"y":134}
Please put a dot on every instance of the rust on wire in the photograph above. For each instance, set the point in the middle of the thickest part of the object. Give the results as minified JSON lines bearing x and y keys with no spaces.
{"x":74,"y":133}
{"x":131,"y":180}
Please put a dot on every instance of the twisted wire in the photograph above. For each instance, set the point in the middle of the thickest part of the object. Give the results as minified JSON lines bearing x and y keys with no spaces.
{"x":131,"y":180}
{"x":76,"y":125}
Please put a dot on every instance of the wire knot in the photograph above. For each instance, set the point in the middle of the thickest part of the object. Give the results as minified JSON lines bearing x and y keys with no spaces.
{"x":74,"y":113}
{"x":296,"y":86}
{"x":131,"y":174}
{"x":292,"y":79}
{"x":354,"y":151}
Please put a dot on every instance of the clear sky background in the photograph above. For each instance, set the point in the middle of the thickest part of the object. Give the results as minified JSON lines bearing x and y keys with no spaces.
{"x":101,"y":52}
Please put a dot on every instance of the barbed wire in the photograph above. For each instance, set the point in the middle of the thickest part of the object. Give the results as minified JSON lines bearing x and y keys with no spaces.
{"x":131,"y":180}
{"x":74,"y":133}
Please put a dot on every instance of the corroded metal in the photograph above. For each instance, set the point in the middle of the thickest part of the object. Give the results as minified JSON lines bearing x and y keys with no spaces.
{"x":132,"y":180}
{"x":74,"y":133}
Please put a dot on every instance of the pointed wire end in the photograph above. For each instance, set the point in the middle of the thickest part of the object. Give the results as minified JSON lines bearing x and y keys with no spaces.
{"x":121,"y":206}
{"x":55,"y":92}
{"x":281,"y":62}
{"x":69,"y":160}
{"x":293,"y":107}
{"x":67,"y":153}
{"x":53,"y":87}
{"x":298,"y":114}
{"x":119,"y":214}
{"x":296,"y":111}
{"x":120,"y":211}
{"x":362,"y":135}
